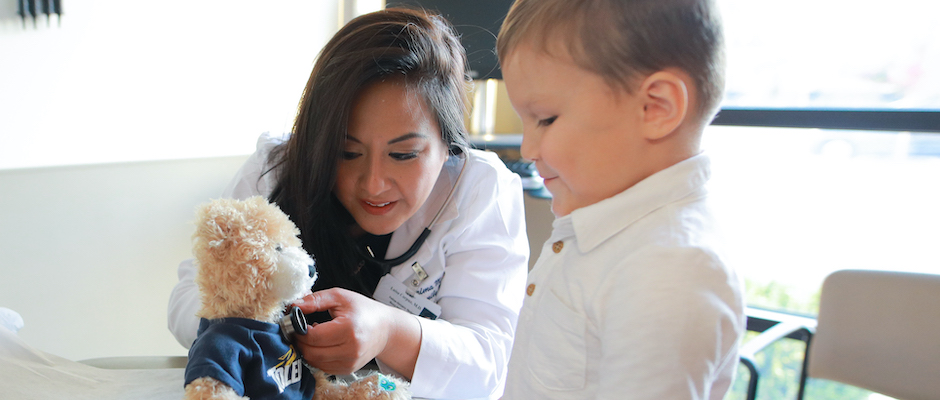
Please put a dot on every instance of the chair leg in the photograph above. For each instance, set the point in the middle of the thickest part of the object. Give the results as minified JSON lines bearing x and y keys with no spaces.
{"x":752,"y":377}
{"x":803,"y":372}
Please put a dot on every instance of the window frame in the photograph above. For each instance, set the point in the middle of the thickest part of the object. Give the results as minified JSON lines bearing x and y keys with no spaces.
{"x":903,"y":120}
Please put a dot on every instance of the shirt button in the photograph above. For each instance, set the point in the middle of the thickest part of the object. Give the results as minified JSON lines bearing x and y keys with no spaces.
{"x":530,"y":289}
{"x":557,"y":246}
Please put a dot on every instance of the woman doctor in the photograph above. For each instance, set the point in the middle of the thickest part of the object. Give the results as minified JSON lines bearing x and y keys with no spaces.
{"x":377,"y":159}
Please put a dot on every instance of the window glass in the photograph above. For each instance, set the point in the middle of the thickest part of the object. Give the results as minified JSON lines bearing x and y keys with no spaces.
{"x":832,"y":53}
{"x":798,"y":204}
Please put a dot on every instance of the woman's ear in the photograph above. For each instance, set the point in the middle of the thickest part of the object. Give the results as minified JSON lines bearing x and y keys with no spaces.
{"x":665,"y":99}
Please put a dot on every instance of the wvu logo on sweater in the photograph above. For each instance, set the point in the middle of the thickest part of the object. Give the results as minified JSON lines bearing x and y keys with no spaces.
{"x":288,"y":371}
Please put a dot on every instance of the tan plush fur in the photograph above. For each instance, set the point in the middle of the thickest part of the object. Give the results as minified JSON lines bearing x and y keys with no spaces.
{"x":250,"y":264}
{"x":210,"y":389}
{"x":366,"y":387}
{"x":235,"y":249}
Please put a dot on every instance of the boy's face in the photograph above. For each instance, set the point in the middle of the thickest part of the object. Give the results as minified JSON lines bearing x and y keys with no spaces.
{"x":581,"y":133}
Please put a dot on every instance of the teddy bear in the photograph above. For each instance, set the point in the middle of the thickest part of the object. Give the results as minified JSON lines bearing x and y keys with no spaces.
{"x":250,"y":268}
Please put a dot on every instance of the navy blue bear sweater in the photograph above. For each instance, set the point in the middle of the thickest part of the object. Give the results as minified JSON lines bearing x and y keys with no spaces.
{"x":251,"y":357}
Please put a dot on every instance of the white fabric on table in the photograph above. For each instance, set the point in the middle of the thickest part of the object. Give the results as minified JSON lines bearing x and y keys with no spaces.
{"x":28,"y":373}
{"x":10,"y":319}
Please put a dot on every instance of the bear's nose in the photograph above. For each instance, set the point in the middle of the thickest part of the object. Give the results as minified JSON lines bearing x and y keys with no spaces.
{"x":312,"y":271}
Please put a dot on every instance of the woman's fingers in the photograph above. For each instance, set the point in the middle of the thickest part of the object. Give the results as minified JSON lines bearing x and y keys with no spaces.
{"x":327,"y":334}
{"x":324,"y":300}
{"x":356,"y":334}
{"x":332,"y":347}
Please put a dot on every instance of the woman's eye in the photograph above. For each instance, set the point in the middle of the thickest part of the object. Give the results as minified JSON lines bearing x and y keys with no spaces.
{"x":349,"y":155}
{"x":547,"y":121}
{"x":403,"y":156}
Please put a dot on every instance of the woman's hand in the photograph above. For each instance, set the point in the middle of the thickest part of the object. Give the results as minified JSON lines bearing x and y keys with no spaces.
{"x":361,"y":329}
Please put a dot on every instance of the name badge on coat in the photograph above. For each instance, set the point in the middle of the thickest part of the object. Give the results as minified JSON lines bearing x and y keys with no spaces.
{"x":393,"y":293}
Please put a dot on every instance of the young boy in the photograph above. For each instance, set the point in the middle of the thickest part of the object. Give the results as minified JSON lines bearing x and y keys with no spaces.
{"x":630,"y":298}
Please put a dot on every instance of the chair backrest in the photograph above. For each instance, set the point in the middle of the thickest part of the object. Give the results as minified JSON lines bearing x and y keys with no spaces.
{"x":880,"y":331}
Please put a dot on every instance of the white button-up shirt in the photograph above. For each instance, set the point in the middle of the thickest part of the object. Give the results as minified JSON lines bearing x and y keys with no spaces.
{"x":631,"y":299}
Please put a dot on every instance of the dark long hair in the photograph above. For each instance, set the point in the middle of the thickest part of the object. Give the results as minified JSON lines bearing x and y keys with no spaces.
{"x":413,"y":45}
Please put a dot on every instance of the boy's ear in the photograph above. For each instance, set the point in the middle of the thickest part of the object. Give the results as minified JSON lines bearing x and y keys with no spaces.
{"x":665,"y":98}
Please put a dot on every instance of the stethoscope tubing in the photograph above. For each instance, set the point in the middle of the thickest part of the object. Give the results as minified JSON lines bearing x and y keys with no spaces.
{"x":388,"y":264}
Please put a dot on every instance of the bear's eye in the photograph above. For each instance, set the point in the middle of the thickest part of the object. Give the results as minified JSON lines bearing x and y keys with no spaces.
{"x":279,"y":248}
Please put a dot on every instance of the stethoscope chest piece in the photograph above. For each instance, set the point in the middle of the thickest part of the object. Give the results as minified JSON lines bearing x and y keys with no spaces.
{"x":293,"y":323}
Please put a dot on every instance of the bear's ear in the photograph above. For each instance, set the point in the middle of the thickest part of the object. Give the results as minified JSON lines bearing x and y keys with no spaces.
{"x":220,"y":226}
{"x":212,"y":238}
{"x":273,"y":224}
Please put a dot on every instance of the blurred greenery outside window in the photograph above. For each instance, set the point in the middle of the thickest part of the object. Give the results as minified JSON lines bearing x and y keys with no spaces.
{"x":799,"y":202}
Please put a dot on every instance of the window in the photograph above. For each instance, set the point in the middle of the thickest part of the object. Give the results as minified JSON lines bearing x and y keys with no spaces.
{"x":826,"y":152}
{"x":826,"y":155}
{"x":832,"y":54}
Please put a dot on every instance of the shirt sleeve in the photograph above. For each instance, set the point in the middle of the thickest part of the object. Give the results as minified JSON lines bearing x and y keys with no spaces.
{"x":184,"y":302}
{"x":250,"y":180}
{"x":676,"y":335}
{"x":218,"y":357}
{"x":465,"y":353}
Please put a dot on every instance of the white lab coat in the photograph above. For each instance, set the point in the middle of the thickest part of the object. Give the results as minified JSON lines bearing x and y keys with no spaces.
{"x":476,"y":259}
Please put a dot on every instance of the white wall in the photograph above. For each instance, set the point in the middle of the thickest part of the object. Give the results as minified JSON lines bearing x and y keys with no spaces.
{"x":88,"y":254}
{"x":145,"y":80}
{"x":538,"y":220}
{"x":114,"y":125}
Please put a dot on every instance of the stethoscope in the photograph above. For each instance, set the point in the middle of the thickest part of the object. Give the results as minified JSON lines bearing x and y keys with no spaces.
{"x":366,"y":252}
{"x":294,"y":322}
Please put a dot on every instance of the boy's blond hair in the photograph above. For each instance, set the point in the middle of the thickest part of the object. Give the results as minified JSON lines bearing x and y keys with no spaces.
{"x":627,"y":40}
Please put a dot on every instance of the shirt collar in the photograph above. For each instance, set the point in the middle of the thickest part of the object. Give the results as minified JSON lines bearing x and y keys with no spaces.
{"x":270,"y":327}
{"x":598,"y":222}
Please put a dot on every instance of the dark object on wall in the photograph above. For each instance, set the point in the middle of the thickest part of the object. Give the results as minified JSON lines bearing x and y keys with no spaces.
{"x":22,"y":8}
{"x":32,"y":8}
{"x":477,"y":23}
